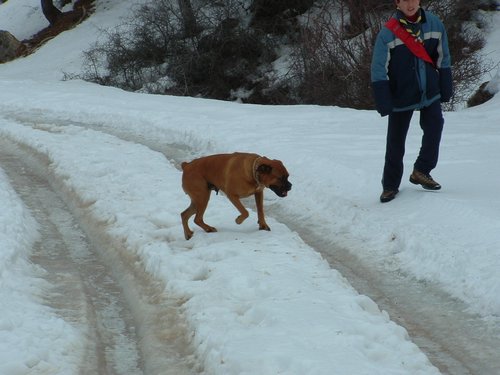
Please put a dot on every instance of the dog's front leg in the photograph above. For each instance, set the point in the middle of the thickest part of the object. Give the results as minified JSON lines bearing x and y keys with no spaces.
{"x":259,"y":201}
{"x":235,"y":200}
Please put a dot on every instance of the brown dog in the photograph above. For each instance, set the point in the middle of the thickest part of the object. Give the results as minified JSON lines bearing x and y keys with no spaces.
{"x":238,"y":175}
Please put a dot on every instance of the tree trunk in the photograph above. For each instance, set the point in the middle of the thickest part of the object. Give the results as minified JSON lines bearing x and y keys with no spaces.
{"x":50,"y":11}
{"x":188,"y":18}
{"x":357,"y":14}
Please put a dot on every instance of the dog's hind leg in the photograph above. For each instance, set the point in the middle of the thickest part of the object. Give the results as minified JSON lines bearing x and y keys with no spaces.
{"x":201,"y":204}
{"x":185,"y":215}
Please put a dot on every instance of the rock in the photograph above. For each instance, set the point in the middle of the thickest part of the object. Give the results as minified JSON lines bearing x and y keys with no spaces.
{"x":9,"y":46}
{"x":482,"y":95}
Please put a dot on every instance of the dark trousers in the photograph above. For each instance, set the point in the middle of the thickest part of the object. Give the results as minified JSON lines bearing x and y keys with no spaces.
{"x":431,"y":122}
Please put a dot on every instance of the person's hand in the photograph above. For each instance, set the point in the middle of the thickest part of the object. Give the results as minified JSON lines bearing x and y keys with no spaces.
{"x":384,"y":111}
{"x":383,"y":97}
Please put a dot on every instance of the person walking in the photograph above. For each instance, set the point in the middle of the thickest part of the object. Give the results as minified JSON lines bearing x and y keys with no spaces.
{"x":411,"y":70}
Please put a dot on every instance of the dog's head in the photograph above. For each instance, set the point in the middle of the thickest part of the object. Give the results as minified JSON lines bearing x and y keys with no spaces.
{"x":273,"y":174}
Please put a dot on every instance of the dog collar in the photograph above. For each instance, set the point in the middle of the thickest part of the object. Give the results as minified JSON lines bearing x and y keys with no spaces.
{"x":260,"y":187}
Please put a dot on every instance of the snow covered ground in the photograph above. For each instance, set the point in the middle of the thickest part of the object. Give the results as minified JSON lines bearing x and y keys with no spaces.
{"x":256,"y":302}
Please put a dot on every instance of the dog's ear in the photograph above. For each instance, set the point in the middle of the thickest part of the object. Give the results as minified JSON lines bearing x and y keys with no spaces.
{"x":264,"y":168}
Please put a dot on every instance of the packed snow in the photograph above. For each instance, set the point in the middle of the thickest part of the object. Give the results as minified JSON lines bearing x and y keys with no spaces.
{"x":256,"y":302}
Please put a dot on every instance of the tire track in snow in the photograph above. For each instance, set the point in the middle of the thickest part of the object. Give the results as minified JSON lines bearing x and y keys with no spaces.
{"x":131,"y":328}
{"x":82,"y":290}
{"x":455,"y":341}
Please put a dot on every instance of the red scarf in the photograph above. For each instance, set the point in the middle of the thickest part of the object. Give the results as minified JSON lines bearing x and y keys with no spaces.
{"x":416,"y":47}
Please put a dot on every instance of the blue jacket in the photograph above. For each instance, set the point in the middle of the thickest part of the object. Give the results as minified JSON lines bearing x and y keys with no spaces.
{"x":400,"y":80}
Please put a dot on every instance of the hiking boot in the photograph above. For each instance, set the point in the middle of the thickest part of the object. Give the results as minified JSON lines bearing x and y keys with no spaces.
{"x":427,"y":182}
{"x":388,"y":195}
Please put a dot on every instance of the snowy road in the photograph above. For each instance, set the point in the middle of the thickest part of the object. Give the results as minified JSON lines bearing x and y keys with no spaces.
{"x":130,"y":327}
{"x":456,"y":341}
{"x":241,"y":301}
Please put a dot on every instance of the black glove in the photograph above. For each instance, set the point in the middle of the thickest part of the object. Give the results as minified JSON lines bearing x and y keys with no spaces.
{"x":383,"y":97}
{"x":445,"y":84}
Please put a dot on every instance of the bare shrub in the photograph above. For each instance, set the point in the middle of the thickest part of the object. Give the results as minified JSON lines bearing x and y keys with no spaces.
{"x":332,"y":61}
{"x":277,"y":16}
{"x":134,"y":53}
{"x":333,"y":67}
{"x":465,"y":41}
{"x":154,"y":51}
{"x":226,"y":49}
